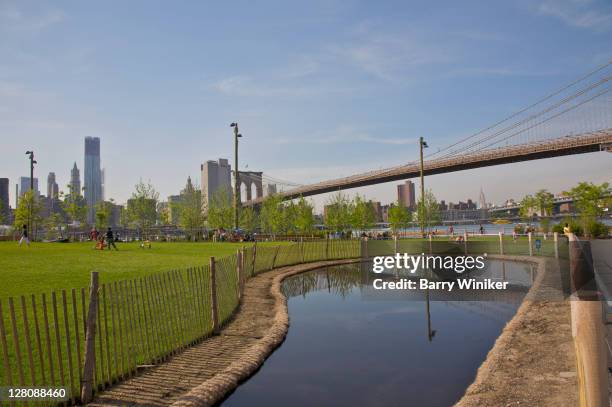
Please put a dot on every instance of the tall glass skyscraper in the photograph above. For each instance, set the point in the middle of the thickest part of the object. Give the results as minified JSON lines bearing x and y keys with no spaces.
{"x":93,"y":176}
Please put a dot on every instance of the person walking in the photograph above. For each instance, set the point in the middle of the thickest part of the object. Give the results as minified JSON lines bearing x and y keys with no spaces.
{"x":24,"y":236}
{"x":110,"y":240}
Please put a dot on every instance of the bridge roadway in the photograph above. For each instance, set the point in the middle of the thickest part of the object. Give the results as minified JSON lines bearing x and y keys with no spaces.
{"x":575,"y":144}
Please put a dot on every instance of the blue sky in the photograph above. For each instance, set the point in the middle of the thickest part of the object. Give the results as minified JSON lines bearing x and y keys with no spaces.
{"x":320,"y":89}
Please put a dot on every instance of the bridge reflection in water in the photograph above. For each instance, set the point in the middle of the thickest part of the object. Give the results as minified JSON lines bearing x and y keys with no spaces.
{"x":348,"y":345}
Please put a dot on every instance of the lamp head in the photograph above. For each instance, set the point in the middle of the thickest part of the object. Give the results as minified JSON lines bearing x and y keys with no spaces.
{"x":238,"y":135}
{"x":425,"y":144}
{"x":233,"y":124}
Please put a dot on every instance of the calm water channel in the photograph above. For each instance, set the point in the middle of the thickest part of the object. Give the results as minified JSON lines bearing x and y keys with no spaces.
{"x":347,"y":346}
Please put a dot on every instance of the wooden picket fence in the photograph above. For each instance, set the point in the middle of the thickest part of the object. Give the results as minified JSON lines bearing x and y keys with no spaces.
{"x":88,"y":339}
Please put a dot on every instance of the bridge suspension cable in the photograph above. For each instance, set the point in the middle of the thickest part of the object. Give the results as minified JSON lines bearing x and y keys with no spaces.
{"x":464,"y":148}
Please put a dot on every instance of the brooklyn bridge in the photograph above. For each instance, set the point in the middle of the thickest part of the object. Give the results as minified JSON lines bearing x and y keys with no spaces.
{"x":574,"y":119}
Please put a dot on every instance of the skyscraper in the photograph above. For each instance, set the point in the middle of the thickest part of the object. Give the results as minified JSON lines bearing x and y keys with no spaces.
{"x":52,"y":187}
{"x":93,"y":176}
{"x":24,"y":186}
{"x":405,"y":195}
{"x":75,"y":180}
{"x":4,"y":201}
{"x":482,"y":203}
{"x":215,"y":175}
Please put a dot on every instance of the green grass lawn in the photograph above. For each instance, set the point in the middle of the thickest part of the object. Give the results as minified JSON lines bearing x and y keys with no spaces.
{"x":44,"y":267}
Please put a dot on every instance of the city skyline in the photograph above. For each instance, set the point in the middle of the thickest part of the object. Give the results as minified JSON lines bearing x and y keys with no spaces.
{"x":352,"y":98}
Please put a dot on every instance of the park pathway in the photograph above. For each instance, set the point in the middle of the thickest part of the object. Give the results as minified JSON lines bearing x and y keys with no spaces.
{"x":203,"y":374}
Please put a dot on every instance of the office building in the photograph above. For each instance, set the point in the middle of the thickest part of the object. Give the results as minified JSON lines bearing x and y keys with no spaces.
{"x":5,"y":210}
{"x":24,"y":186}
{"x":216,"y":175}
{"x":52,"y":187}
{"x":75,"y":180}
{"x":406,"y":195}
{"x":93,"y":176}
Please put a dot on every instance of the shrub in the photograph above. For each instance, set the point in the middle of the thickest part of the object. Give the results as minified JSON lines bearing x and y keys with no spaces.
{"x":596,"y":229}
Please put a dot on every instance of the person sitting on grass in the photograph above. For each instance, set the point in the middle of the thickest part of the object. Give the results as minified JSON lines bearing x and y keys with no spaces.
{"x":145,"y":244}
{"x":110,"y":239}
{"x":100,"y":242}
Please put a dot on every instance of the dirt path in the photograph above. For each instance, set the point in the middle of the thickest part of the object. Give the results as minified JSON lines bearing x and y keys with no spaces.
{"x":533,"y":362}
{"x":203,"y":374}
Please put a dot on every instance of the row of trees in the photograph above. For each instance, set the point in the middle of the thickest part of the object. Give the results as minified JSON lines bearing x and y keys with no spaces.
{"x":590,"y":201}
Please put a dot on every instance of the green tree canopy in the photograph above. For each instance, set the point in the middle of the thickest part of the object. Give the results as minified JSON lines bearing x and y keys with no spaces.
{"x":271,"y":215}
{"x":362,"y":215}
{"x":142,"y":207}
{"x":191,"y":210}
{"x":591,"y":201}
{"x":248,"y":219}
{"x":399,"y":217}
{"x":304,"y":220}
{"x":220,"y":212}
{"x":428,"y":210}
{"x":28,"y":212}
{"x":338,"y":213}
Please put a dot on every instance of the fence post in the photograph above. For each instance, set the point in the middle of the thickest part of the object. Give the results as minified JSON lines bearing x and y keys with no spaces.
{"x":530,"y":246}
{"x":395,"y":243}
{"x":302,"y":248}
{"x":430,"y":248}
{"x":327,"y":246}
{"x":213,"y":296}
{"x":90,"y":341}
{"x":238,"y":274}
{"x":501,"y":243}
{"x":274,"y":258}
{"x":556,"y":238}
{"x":588,"y":328}
{"x":254,"y":257}
{"x":465,"y":237}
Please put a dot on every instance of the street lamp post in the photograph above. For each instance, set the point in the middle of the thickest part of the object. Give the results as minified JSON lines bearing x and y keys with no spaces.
{"x":422,"y":145}
{"x":236,"y":177}
{"x":32,"y":162}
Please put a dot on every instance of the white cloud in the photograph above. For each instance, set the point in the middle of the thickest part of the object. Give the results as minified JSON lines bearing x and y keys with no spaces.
{"x":577,"y":13}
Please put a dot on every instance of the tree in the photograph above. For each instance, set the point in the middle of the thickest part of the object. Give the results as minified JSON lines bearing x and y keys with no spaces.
{"x":74,"y":206}
{"x":28,"y":212}
{"x":248,"y":219}
{"x":544,"y":202}
{"x":529,"y":205}
{"x":271,"y":215}
{"x":591,"y":201}
{"x":220,"y":211}
{"x":338,"y":213}
{"x":103,"y":214}
{"x":428,"y":210}
{"x":51,"y":226}
{"x":362,"y":214}
{"x":142,"y":207}
{"x":191,"y":210}
{"x":304,"y":220}
{"x":399,"y":216}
